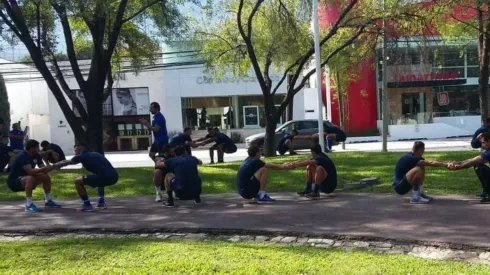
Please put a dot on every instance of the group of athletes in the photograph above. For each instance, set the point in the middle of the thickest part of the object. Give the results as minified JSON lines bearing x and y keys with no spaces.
{"x":176,"y":170}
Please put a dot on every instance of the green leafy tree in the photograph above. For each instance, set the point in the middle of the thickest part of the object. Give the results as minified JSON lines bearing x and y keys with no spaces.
{"x":4,"y":107}
{"x":274,"y":36}
{"x":113,"y":30}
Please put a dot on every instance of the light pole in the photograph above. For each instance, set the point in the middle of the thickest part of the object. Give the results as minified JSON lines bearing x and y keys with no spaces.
{"x":316,"y":34}
{"x":384,"y":107}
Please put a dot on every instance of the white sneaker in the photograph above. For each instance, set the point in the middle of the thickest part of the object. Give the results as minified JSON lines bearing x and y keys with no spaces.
{"x":419,"y":200}
{"x":158,"y":198}
{"x":424,"y":196}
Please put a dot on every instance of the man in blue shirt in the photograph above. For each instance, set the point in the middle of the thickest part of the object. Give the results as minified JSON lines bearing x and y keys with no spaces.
{"x":223,"y":144}
{"x":321,"y":174}
{"x":51,"y":152}
{"x":103,"y":175}
{"x":475,"y":140}
{"x":16,"y":137}
{"x":161,"y":171}
{"x":410,"y":173}
{"x":184,"y":139}
{"x":478,"y":162}
{"x":159,"y":128}
{"x":252,"y":177}
{"x":182,"y":177}
{"x":24,"y":176}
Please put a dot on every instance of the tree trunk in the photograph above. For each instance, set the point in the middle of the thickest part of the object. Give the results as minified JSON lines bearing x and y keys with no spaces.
{"x":483,"y":62}
{"x":270,"y":126}
{"x":290,"y":108}
{"x":341,"y":105}
{"x":94,"y":124}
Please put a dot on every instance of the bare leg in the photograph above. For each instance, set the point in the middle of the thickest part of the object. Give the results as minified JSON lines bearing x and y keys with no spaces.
{"x":29,"y":183}
{"x":261,"y":175}
{"x":416,"y":177}
{"x":289,"y":145}
{"x":170,"y":199}
{"x":221,"y":153}
{"x":157,"y":182}
{"x":152,"y":155}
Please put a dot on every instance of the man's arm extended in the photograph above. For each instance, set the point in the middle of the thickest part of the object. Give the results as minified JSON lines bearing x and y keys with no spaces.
{"x":35,"y":171}
{"x":63,"y":163}
{"x":301,"y":163}
{"x":469,"y":163}
{"x":432,"y":163}
{"x":276,"y":166}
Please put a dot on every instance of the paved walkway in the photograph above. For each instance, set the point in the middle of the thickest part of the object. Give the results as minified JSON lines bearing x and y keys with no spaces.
{"x":450,"y":219}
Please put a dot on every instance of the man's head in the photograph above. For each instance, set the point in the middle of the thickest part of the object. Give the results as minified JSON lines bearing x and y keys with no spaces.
{"x":45,"y":145}
{"x":486,"y":122}
{"x":179,"y":150}
{"x":485,"y":140}
{"x":187,"y":131}
{"x":294,"y":132}
{"x":32,"y":147}
{"x":80,"y":147}
{"x":316,"y":150}
{"x":254,"y":152}
{"x":167,"y":150}
{"x":154,"y":108}
{"x":418,"y":148}
{"x":15,"y":126}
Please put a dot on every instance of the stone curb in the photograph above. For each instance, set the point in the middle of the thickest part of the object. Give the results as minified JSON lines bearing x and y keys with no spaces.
{"x":479,"y":256}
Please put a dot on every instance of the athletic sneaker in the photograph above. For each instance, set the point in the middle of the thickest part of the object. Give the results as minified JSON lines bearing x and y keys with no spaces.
{"x":419,"y":200}
{"x":198,"y":200}
{"x":485,"y":200}
{"x":313,"y":195}
{"x":32,"y":208}
{"x":51,"y":204}
{"x":101,"y":204}
{"x":158,"y":198}
{"x":86,"y":208}
{"x":423,"y":195}
{"x":304,"y":192}
{"x":481,"y":195}
{"x":266,"y":199}
{"x":169,"y":204}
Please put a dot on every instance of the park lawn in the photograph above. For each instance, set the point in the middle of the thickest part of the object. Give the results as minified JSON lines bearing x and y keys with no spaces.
{"x":221,"y":178}
{"x":152,"y":256}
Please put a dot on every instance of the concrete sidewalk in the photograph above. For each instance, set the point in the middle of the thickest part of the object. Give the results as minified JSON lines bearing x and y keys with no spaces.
{"x":449,"y":219}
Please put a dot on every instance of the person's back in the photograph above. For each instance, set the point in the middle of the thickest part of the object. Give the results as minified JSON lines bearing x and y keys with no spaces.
{"x":180,"y":139}
{"x":16,"y":143}
{"x":405,"y":164}
{"x":57,"y":149}
{"x":329,"y":166}
{"x":247,"y":170}
{"x":21,"y":160}
{"x":96,"y":163}
{"x":185,"y":170}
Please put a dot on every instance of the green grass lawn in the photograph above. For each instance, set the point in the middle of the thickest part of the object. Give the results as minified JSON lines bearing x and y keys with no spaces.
{"x":150,"y":256}
{"x":222,"y":178}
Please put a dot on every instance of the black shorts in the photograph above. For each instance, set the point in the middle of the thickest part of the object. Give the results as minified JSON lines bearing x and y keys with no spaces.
{"x":402,"y":186}
{"x":183,"y":193}
{"x":229,"y":148}
{"x":157,"y":147}
{"x":328,"y":186}
{"x":251,"y":189}
{"x":98,"y":181}
{"x":15,"y":185}
{"x":282,"y":149}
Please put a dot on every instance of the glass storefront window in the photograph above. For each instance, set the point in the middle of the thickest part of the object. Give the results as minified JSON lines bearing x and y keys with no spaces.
{"x":461,"y":101}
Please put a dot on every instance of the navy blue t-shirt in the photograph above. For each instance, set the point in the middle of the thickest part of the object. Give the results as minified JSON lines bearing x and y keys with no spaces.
{"x":327,"y":164}
{"x":280,"y":145}
{"x":486,"y":155}
{"x":247,"y":170}
{"x":475,"y":143}
{"x":185,"y":169}
{"x":180,"y":139}
{"x":404,"y":165}
{"x":222,"y":138}
{"x":17,"y":143}
{"x":160,"y":137}
{"x":21,"y":160}
{"x":58,"y":150}
{"x":97,"y":164}
{"x":341,"y":136}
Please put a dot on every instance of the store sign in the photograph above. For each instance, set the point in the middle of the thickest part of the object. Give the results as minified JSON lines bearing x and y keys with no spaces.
{"x":140,"y":132}
{"x":443,"y":98}
{"x":425,"y":76}
{"x":232,"y":79}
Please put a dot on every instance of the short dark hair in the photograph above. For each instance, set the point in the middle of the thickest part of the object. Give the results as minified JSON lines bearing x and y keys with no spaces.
{"x":418,"y":145}
{"x":187,"y":129}
{"x":32,"y":143}
{"x":179,"y":150}
{"x":44,"y":143}
{"x":316,"y":148}
{"x":80,"y":144}
{"x":294,"y":132}
{"x":486,"y":136}
{"x":167,"y":149}
{"x":487,"y":120}
{"x":155,"y":105}
{"x":253,"y":150}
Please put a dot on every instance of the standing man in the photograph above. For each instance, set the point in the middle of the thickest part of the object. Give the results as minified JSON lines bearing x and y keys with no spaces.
{"x":184,"y":139}
{"x":16,"y":137}
{"x":252,"y":177}
{"x":321,"y":174}
{"x":24,"y":176}
{"x":475,"y":140}
{"x":482,"y":171}
{"x":159,"y":128}
{"x":51,"y":152}
{"x":104,"y":175}
{"x":410,"y":173}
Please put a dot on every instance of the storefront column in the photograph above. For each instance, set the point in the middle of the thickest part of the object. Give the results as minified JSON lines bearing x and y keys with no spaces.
{"x":236,"y":111}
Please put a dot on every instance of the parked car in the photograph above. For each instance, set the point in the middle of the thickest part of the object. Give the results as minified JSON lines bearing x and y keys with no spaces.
{"x":304,"y":127}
